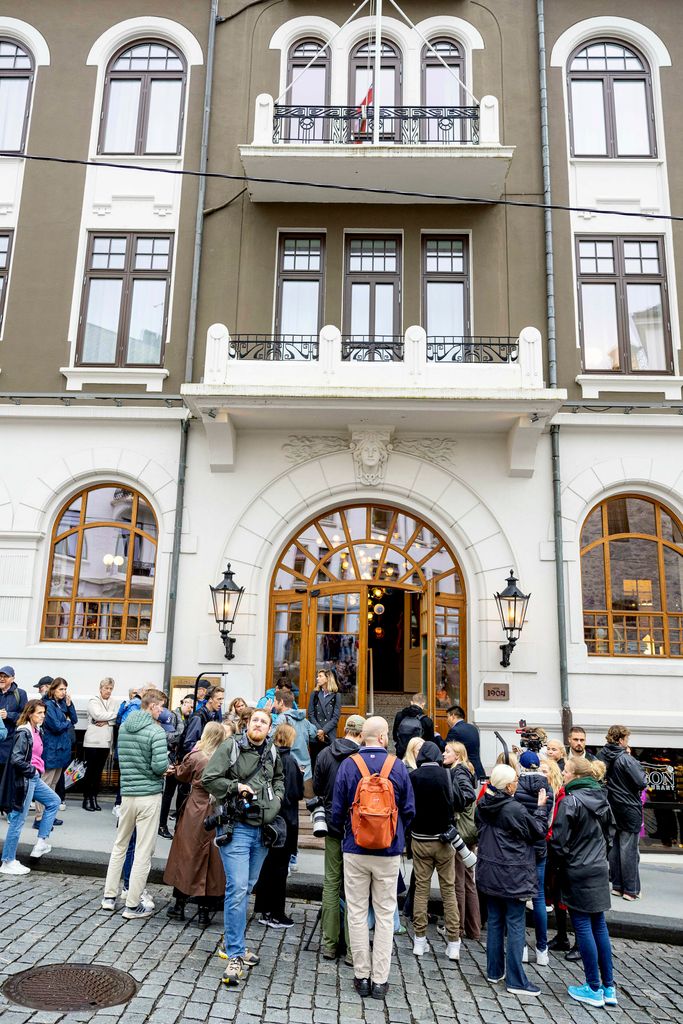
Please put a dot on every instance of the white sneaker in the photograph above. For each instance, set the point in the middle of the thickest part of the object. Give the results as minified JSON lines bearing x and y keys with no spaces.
{"x":13,"y":867}
{"x":145,"y":898}
{"x":420,"y":945}
{"x":42,"y":846}
{"x":32,"y":805}
{"x":453,"y":950}
{"x":525,"y":955}
{"x":108,"y":903}
{"x":529,"y":904}
{"x":62,"y":807}
{"x":116,"y":810}
{"x":543,"y":957}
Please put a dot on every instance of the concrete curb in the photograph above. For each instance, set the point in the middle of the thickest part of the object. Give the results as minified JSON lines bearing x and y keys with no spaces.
{"x":302,"y":886}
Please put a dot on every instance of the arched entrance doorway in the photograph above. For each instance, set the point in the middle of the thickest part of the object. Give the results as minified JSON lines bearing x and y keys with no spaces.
{"x":376,"y":595}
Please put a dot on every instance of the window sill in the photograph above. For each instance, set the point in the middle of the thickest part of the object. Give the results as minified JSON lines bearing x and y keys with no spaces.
{"x":594,"y":384}
{"x":77,"y":376}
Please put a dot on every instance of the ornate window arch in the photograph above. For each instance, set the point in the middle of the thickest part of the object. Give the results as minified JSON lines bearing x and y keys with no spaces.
{"x":632,"y":579}
{"x":441,"y":89}
{"x":144,"y":100}
{"x":100,"y":582}
{"x":17,"y":72}
{"x":611,"y":110}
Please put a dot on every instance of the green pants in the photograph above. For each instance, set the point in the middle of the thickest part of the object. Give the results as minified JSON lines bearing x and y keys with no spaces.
{"x":333,"y":890}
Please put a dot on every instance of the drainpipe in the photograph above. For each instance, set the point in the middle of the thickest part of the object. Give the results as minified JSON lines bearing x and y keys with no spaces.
{"x":552,"y":371}
{"x":175,"y":553}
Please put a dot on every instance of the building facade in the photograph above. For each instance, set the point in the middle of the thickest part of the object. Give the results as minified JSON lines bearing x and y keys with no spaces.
{"x":372,"y":375}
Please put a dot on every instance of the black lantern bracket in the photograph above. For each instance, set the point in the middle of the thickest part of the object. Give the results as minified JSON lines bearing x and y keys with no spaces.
{"x":226,"y":597}
{"x":512,"y":605}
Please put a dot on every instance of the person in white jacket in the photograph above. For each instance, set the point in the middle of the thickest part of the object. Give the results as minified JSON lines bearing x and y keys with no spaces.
{"x":97,"y":742}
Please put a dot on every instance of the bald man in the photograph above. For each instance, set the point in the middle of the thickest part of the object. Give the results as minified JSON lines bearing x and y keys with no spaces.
{"x":371,"y":872}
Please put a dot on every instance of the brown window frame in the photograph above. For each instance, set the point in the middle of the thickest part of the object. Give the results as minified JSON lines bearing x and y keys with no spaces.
{"x":621,"y":279}
{"x":78,"y":532}
{"x":146,"y":78}
{"x":598,"y":620}
{"x":373,"y":277}
{"x":458,"y":65}
{"x":607,"y":78}
{"x":21,"y":73}
{"x":448,"y":276}
{"x":4,"y":274}
{"x":392,"y":130}
{"x":296,"y":64}
{"x":128,"y":275}
{"x":299,"y":275}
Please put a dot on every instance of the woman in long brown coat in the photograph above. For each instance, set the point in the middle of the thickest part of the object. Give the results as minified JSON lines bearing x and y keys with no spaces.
{"x":194,"y":867}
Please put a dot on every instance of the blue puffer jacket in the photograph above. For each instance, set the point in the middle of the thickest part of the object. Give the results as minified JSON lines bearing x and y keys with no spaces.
{"x":527,"y":795}
{"x":60,"y":720}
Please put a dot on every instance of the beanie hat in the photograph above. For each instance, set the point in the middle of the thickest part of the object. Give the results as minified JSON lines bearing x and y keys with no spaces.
{"x":502,"y":775}
{"x":529,"y":759}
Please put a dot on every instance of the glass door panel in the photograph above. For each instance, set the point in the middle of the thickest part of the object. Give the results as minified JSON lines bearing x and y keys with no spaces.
{"x":360,"y":310}
{"x":287,"y":648}
{"x":384,"y":310}
{"x":445,"y":309}
{"x":339,"y":636}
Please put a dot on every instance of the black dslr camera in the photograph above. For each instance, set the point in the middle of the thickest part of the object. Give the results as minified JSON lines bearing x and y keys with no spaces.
{"x":529,"y":738}
{"x":236,"y":808}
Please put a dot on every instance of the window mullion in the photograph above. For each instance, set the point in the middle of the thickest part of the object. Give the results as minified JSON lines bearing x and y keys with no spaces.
{"x":126,"y":290}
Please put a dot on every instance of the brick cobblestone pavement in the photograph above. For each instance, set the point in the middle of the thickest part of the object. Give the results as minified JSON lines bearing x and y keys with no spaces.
{"x":57,"y":918}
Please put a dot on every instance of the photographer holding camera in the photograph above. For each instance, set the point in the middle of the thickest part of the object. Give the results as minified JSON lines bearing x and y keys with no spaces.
{"x":245,"y":778}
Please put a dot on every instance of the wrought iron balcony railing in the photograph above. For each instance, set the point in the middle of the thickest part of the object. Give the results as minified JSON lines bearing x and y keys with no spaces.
{"x":406,"y":126}
{"x":382,"y":348}
{"x":445,"y":349}
{"x":275,"y":347}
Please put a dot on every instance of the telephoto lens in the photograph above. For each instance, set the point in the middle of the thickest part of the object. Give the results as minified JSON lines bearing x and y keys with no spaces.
{"x":468,"y":858}
{"x":318,"y":820}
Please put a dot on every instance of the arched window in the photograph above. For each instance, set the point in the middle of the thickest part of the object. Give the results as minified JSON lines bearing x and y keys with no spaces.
{"x":143,"y":104}
{"x":442,"y":87}
{"x":16,"y":81}
{"x":610,"y":101}
{"x":632,"y":579}
{"x":362,"y":90}
{"x":102,"y":564}
{"x":308,"y":87}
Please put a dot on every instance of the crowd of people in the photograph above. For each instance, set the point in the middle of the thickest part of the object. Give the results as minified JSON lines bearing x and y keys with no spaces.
{"x":549,"y":828}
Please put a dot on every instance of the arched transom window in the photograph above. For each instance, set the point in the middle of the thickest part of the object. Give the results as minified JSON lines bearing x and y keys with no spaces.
{"x":102,"y":564}
{"x":16,"y":80}
{"x":143,"y":100}
{"x":610,"y":101}
{"x":632,"y":579}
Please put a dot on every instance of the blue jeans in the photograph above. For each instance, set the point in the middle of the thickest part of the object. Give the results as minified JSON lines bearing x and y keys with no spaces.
{"x":16,"y":819}
{"x":511,"y":914}
{"x":242,"y":860}
{"x":540,"y":913}
{"x":592,"y":938}
{"x":130,"y":857}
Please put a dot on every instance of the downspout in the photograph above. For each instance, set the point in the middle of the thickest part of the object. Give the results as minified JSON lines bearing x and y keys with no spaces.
{"x":191,"y":336}
{"x":552,"y":371}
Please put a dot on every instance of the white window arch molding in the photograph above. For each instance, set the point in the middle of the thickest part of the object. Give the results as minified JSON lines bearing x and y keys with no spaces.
{"x":29,"y":36}
{"x":104,"y":48}
{"x":642,"y":37}
{"x":469,"y":37}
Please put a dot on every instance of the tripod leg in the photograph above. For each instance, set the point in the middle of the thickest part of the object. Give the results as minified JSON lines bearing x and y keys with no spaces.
{"x":315,"y":925}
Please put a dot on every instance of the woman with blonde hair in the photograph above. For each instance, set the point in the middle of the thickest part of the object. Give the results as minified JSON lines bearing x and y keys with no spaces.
{"x":412,"y":750}
{"x":553,"y":774}
{"x":194,"y":866}
{"x":464,"y":778}
{"x":324,"y":709}
{"x":555,"y":751}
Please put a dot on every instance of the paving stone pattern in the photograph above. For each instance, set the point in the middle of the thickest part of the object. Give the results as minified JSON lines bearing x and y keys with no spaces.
{"x":57,"y":918}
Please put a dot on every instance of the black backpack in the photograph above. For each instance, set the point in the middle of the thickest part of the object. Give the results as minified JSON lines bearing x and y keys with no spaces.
{"x":408,"y":728}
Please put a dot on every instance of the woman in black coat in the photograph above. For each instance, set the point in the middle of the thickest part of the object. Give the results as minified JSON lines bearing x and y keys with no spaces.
{"x":269,"y":892}
{"x":324,"y":709}
{"x":580,"y":843}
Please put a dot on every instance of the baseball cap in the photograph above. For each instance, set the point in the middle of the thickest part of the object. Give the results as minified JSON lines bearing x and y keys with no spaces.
{"x":44,"y":681}
{"x":529,"y":759}
{"x":355,"y":721}
{"x":6,"y":670}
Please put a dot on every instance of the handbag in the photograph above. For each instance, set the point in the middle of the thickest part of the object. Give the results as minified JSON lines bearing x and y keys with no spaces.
{"x":274,"y":834}
{"x":73,"y":773}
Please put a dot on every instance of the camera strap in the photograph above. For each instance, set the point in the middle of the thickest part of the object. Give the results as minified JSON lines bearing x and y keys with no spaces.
{"x":263,"y":757}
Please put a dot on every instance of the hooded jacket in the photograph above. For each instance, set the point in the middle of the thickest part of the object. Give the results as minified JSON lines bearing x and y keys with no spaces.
{"x":305,"y":732}
{"x":625,"y":782}
{"x":143,"y":756}
{"x":237,"y":760}
{"x":270,"y":695}
{"x":582,"y":834}
{"x":13,"y":701}
{"x":468,"y":734}
{"x":530,"y":783}
{"x":434,"y":790}
{"x":58,"y":733}
{"x":19,"y":770}
{"x":326,"y":768}
{"x":506,"y":859}
{"x":426,"y":727}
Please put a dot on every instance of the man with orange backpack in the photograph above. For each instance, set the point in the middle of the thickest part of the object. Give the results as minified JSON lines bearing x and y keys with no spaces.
{"x":372,"y":806}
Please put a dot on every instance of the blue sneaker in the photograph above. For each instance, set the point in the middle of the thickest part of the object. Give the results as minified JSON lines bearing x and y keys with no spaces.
{"x":585,"y":994}
{"x":609,"y":994}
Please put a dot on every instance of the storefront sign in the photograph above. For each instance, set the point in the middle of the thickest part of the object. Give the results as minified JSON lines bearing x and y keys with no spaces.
{"x":496,"y":691}
{"x":660,"y":777}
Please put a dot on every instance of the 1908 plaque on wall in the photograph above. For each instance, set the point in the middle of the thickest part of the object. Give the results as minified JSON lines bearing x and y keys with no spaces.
{"x":496,"y":691}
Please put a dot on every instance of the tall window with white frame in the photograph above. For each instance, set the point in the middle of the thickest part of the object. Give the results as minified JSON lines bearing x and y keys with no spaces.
{"x":611,"y":109}
{"x":623,"y":309}
{"x":5,"y":254}
{"x":445,"y":293}
{"x":372,"y":298}
{"x":16,"y":83}
{"x":142,"y":110}
{"x":124,"y":310}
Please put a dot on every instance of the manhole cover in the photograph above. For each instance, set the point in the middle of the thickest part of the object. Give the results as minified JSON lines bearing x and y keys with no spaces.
{"x":70,"y":987}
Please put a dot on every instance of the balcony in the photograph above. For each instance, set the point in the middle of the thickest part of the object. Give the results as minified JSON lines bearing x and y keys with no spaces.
{"x":441,"y":151}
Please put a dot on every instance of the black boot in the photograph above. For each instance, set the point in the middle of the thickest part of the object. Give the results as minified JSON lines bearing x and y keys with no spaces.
{"x":203,"y":917}
{"x":95,"y":804}
{"x":87,"y":803}
{"x":177,"y":911}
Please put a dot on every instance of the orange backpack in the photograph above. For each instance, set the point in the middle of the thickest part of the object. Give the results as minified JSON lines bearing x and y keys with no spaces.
{"x":374,"y":814}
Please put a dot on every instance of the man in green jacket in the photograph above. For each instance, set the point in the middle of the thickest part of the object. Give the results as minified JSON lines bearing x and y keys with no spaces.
{"x":250,"y":770}
{"x":143,"y":761}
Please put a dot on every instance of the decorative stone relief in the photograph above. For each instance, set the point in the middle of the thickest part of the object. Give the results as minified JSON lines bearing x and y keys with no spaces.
{"x":370,"y":450}
{"x":302,"y":447}
{"x":439,"y":450}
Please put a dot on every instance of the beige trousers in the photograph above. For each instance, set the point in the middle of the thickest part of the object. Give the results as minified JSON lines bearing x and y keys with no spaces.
{"x":50,"y":778}
{"x":141,"y":813}
{"x":366,"y":875}
{"x":426,"y":858}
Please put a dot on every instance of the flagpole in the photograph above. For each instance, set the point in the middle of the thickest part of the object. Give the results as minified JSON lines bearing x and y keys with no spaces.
{"x":376,"y":93}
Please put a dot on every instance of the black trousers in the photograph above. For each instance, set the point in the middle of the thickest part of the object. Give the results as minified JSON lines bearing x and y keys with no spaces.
{"x":170,"y":787}
{"x":316,"y":747}
{"x":271,"y":889}
{"x":95,"y":759}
